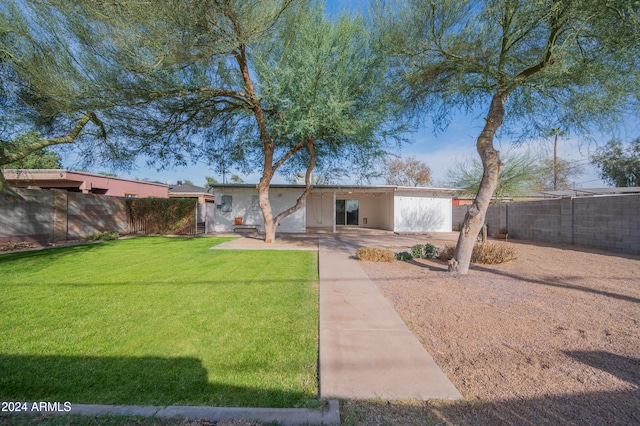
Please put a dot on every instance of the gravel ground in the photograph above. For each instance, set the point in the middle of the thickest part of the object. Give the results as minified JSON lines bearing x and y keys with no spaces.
{"x":550,"y":338}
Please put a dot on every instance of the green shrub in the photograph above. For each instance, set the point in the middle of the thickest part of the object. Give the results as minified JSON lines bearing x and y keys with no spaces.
{"x":424,"y":251}
{"x":486,"y":254}
{"x":104,"y":236}
{"x":404,"y":255}
{"x":417,"y":251}
{"x":457,"y":227}
{"x":430,"y":251}
{"x":162,"y":215}
{"x":374,"y":254}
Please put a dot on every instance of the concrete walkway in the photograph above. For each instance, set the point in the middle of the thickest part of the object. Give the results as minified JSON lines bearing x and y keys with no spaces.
{"x":366,"y":350}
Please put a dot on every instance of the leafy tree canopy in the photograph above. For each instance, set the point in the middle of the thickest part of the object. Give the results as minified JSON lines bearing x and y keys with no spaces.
{"x":269,"y":85}
{"x":407,"y":172}
{"x":520,"y":173}
{"x":619,"y":165}
{"x":29,"y":123}
{"x":42,"y":159}
{"x":569,"y":64}
{"x":211,"y":181}
{"x":566,"y":173}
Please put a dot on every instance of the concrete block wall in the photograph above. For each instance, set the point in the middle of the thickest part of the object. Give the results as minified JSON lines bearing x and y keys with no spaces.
{"x":495,"y":219}
{"x":89,"y":214}
{"x":608,"y":222}
{"x":26,"y":215}
{"x":56,"y":215}
{"x":535,"y":220}
{"x":458,"y":212}
{"x":611,"y":222}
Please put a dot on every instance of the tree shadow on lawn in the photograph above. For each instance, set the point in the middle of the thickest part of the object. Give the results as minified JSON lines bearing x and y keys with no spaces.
{"x":45,"y":256}
{"x":129,"y":381}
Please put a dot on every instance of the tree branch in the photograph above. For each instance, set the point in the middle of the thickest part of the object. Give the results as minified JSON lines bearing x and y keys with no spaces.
{"x":307,"y":181}
{"x":289,"y":153}
{"x":557,"y":23}
{"x":69,"y":138}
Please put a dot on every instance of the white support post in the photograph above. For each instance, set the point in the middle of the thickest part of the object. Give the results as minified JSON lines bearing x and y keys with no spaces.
{"x":334,"y":212}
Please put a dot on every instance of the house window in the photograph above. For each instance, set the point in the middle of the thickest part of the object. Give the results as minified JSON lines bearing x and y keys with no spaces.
{"x":129,"y":195}
{"x":255,"y":202}
{"x":227,"y":202}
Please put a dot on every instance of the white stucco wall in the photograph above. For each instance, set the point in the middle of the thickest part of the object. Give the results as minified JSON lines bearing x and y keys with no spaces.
{"x":376,"y":208}
{"x":320,"y":210}
{"x":413,"y":213}
{"x":243,"y":206}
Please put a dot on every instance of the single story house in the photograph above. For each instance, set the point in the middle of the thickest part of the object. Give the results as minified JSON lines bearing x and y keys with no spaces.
{"x":329,"y":207}
{"x":87,"y":183}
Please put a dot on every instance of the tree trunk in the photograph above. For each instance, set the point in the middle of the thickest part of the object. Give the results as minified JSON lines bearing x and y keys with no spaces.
{"x":271,"y":223}
{"x":267,"y":213}
{"x":474,"y":219}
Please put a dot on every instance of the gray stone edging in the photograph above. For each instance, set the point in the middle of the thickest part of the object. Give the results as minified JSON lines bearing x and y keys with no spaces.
{"x":328,"y":415}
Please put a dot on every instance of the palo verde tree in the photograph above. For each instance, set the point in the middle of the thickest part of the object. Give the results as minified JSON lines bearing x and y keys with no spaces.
{"x":574,"y":63}
{"x":519,"y":173}
{"x":271,"y":83}
{"x":29,"y":122}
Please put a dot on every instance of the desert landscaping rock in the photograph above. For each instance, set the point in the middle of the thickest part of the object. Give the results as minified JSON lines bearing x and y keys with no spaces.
{"x":550,"y":338}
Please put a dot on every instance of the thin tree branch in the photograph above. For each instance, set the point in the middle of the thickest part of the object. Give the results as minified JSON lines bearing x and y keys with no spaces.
{"x":307,"y":181}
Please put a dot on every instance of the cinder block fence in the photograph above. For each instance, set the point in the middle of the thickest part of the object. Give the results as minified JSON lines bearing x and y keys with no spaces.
{"x":57,"y":215}
{"x":609,"y":222}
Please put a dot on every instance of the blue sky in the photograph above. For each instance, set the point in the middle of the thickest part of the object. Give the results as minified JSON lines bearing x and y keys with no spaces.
{"x":440,"y":152}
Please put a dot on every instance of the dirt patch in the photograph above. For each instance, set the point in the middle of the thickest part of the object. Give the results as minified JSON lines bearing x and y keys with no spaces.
{"x":33,"y":245}
{"x":23,"y":245}
{"x":550,"y":338}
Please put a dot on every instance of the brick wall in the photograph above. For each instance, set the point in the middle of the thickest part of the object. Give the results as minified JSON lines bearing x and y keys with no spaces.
{"x":608,"y":222}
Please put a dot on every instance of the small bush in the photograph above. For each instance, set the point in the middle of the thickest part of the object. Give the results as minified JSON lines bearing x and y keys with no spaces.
{"x":430,"y":251}
{"x":424,"y":251}
{"x":446,"y":254}
{"x":104,"y":236}
{"x":458,"y":227}
{"x":404,"y":255}
{"x":374,"y":254}
{"x":486,"y":254}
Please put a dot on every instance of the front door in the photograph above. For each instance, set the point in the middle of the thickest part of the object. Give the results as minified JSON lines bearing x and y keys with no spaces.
{"x":347,"y":212}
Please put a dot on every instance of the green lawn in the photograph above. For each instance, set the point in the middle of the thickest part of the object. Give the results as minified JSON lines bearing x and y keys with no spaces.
{"x":159,"y":321}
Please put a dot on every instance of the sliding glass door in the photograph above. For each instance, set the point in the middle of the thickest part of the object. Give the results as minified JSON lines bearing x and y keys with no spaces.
{"x":347,"y":212}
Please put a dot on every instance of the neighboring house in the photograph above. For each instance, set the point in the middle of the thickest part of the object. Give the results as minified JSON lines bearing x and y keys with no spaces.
{"x":205,"y":202}
{"x":392,"y":208}
{"x":87,"y":183}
